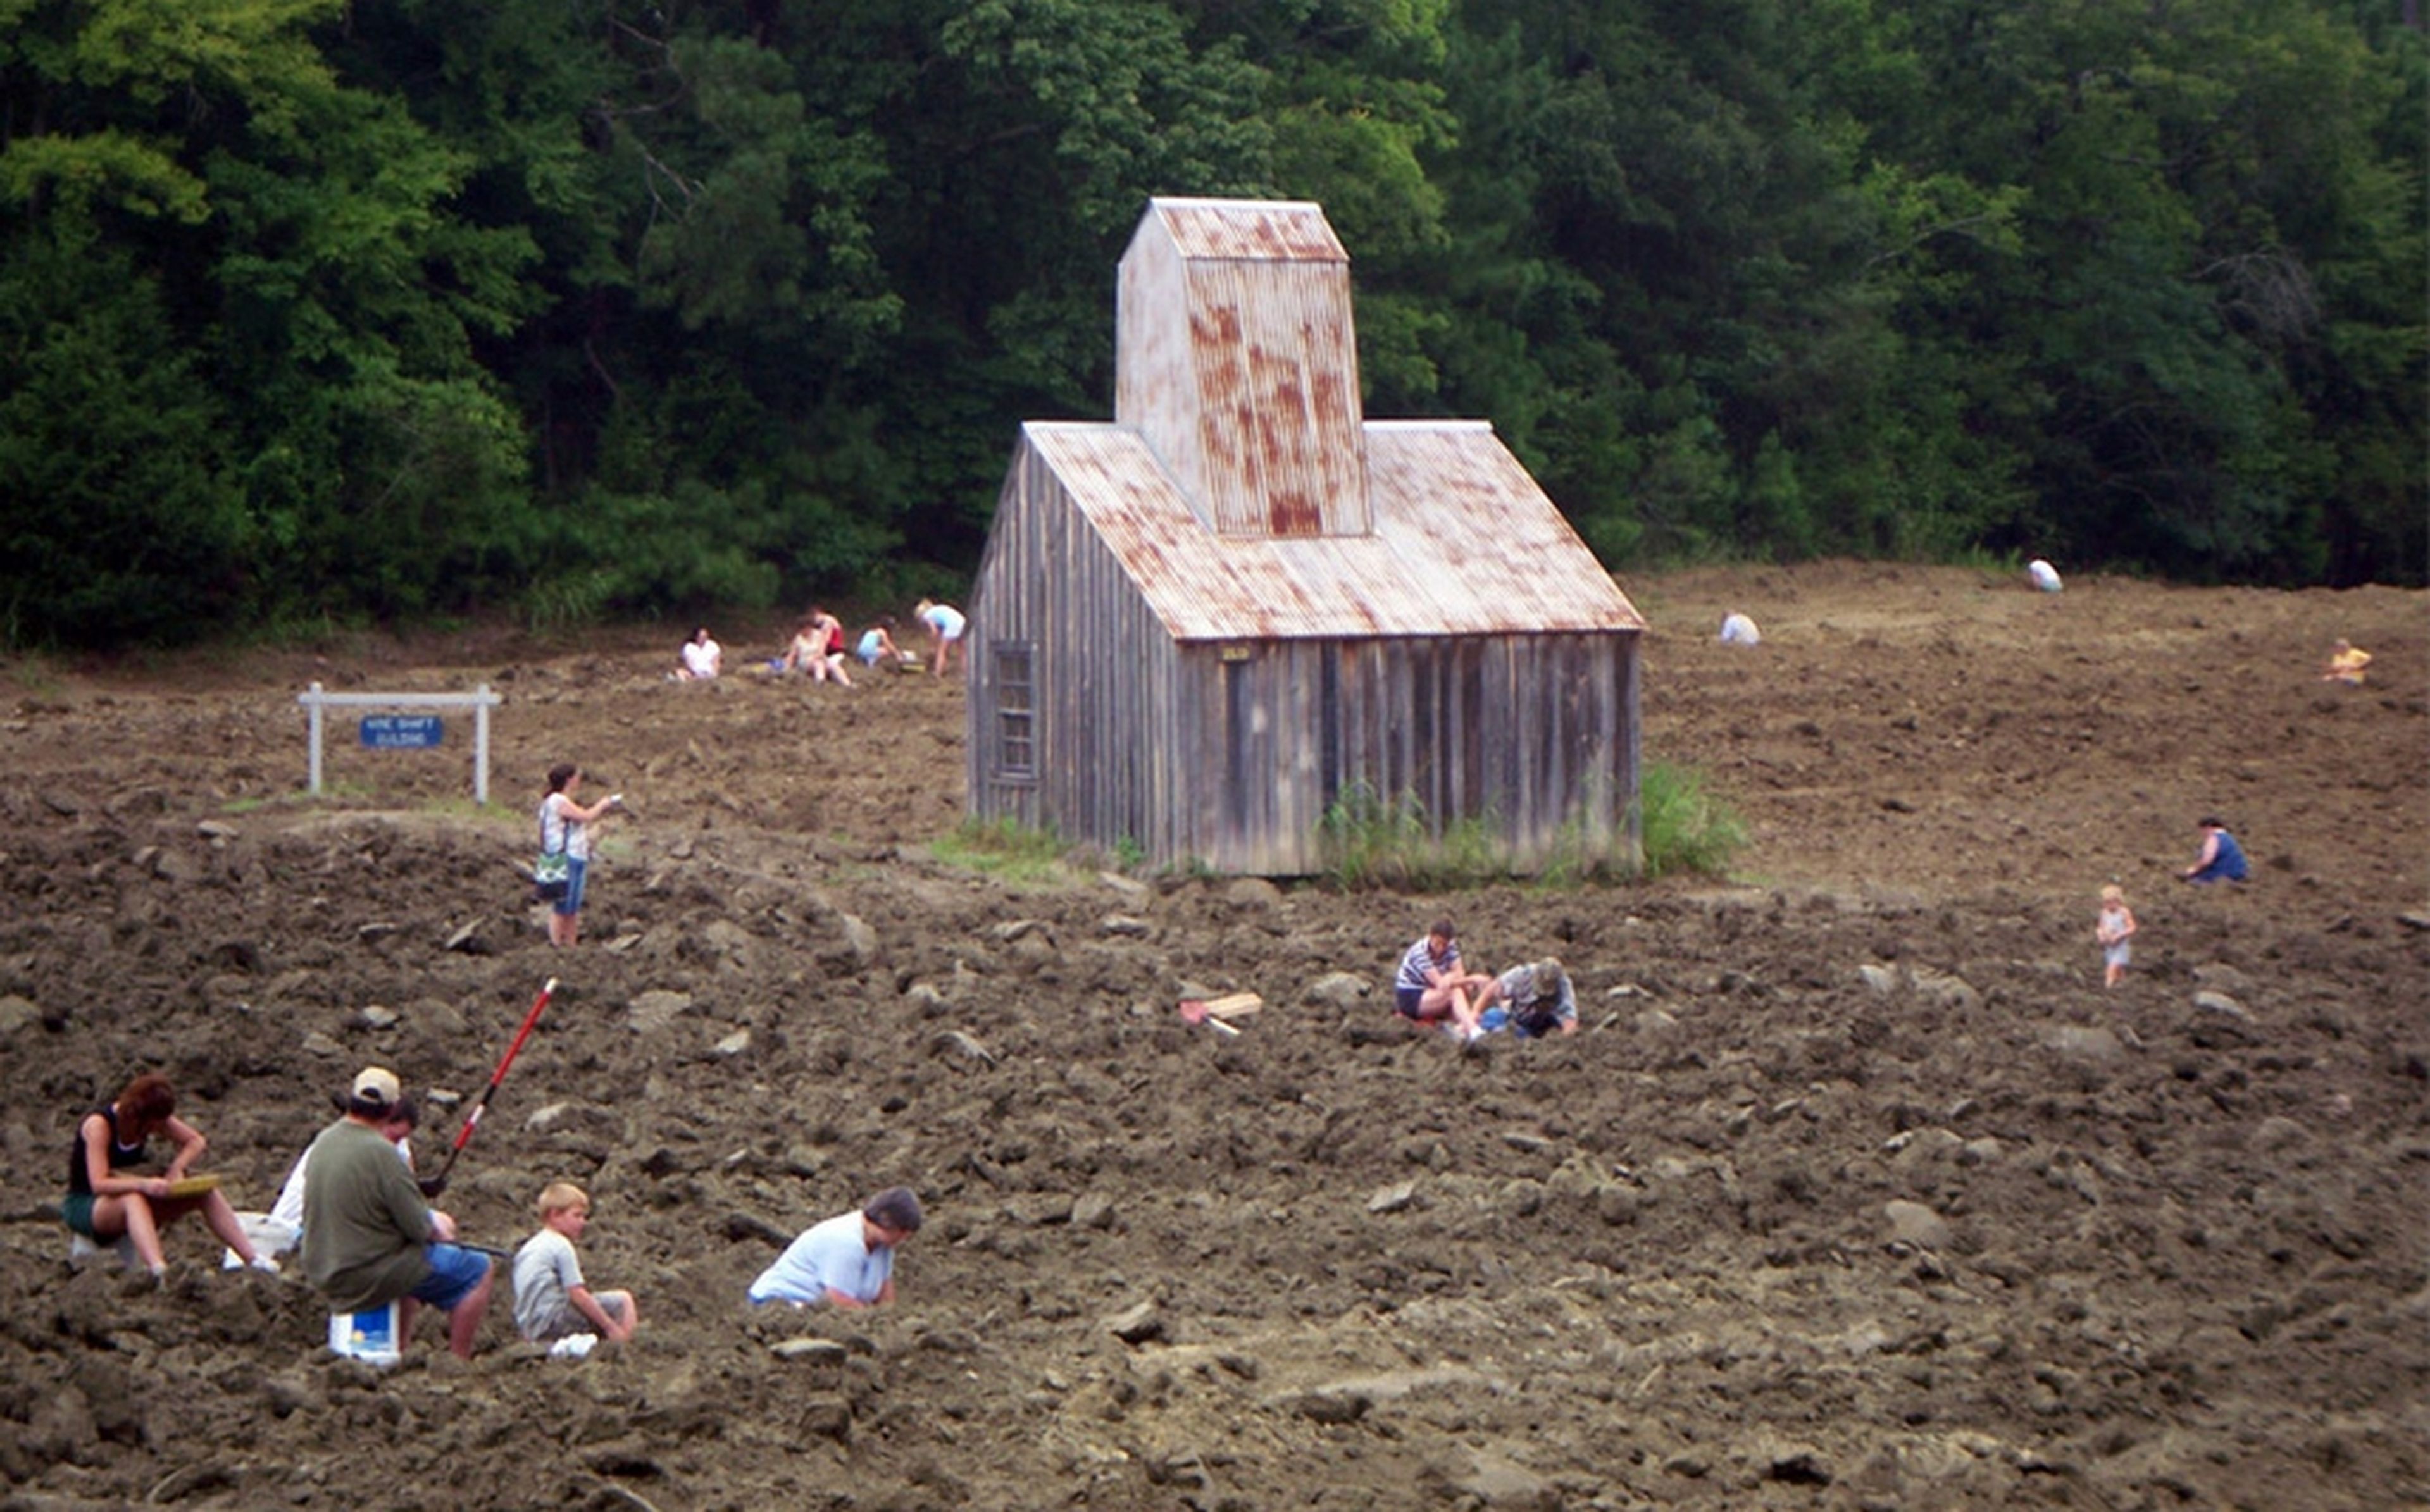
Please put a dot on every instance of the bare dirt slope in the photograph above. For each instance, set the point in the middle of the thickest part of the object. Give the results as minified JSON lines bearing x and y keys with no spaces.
{"x":1857,"y":1189}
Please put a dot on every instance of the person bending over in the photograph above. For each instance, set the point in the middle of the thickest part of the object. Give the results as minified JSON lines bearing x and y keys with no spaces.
{"x":846,"y":1261}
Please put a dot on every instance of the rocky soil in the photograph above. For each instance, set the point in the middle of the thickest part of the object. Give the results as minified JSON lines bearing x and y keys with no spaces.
{"x":1855,"y":1190}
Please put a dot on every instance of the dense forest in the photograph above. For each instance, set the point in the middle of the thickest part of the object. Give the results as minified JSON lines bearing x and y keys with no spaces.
{"x":315,"y":312}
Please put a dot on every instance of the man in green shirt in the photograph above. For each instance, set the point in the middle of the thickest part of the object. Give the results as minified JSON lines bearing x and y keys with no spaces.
{"x":370,"y":1239}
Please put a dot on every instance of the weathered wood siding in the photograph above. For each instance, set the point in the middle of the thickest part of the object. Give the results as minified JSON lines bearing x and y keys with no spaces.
{"x":1533,"y":736}
{"x":1105,"y":675}
{"x":1231,"y":752}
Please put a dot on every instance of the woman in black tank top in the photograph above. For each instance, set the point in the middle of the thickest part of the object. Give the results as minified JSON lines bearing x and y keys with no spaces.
{"x":106,"y":1200}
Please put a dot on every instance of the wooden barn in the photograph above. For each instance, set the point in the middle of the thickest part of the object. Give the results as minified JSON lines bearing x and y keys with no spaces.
{"x":1200,"y":627}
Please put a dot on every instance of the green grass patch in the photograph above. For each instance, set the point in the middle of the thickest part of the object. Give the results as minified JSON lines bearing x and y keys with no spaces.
{"x":1004,"y":849}
{"x":1684,"y":827}
{"x":1370,"y":840}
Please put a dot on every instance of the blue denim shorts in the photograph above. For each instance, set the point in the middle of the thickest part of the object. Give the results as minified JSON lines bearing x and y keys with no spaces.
{"x":455,"y":1270}
{"x":576,"y":868}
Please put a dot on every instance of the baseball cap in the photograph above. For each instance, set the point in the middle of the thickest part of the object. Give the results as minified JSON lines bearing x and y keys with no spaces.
{"x":376,"y":1090}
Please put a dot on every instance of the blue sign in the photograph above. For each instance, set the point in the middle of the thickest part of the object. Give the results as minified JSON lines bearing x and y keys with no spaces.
{"x":401,"y":732}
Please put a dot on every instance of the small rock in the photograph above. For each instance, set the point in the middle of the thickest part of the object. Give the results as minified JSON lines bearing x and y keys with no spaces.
{"x":1494,"y":1482}
{"x":1914,"y":1223}
{"x":469,"y":940}
{"x":737,"y":1043}
{"x":17,"y":1013}
{"x":1334,"y":1406}
{"x":1127,"y":886}
{"x":1880,"y":978}
{"x":2094,"y":1043}
{"x":958,"y":1047}
{"x":655,"y":1009}
{"x":316,"y":1043}
{"x":1946,"y":990}
{"x":726,"y":940}
{"x":1137,"y":1325}
{"x":374,"y":1016}
{"x":860,"y":940}
{"x":1393,"y":1199}
{"x":2220,"y":1003}
{"x":217,"y":831}
{"x":1251,"y":892}
{"x":811,"y":1351}
{"x":1619,"y":1206}
{"x":290,"y":1392}
{"x":2278,"y":1133}
{"x":374,"y":932}
{"x":740,"y":1226}
{"x":1801,"y":1467}
{"x":1093,"y":1211}
{"x":828,"y":1417}
{"x":1127,"y":926}
{"x":1340,"y":989}
{"x":546,"y":1120}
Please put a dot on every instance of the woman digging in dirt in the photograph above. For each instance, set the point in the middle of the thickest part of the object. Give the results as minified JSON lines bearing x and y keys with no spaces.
{"x":565,"y":827}
{"x":104,"y":1202}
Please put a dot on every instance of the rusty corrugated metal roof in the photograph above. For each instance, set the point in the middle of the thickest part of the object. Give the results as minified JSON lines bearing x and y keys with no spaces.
{"x":1464,"y":543}
{"x":1291,"y":230}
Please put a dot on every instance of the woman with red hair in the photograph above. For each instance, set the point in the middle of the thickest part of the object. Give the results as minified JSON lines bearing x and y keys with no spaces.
{"x":106,"y":1201}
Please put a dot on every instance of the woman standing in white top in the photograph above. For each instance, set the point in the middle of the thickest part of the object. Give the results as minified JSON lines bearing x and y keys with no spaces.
{"x":565,"y":825}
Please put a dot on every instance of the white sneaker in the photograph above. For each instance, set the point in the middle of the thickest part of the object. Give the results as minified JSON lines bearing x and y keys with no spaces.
{"x":265,"y":1264}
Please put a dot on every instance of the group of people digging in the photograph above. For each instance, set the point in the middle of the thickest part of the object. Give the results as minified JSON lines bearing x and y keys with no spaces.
{"x":1435,"y":987}
{"x":817,"y":649}
{"x":370,"y":1238}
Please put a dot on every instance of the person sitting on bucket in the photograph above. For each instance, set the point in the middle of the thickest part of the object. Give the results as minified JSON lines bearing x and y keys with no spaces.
{"x":1540,"y":1001}
{"x":847,"y":1260}
{"x":370,"y":1239}
{"x":282,"y":1228}
{"x":106,"y":1203}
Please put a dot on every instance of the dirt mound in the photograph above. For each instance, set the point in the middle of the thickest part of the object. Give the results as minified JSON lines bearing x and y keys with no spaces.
{"x":1855,"y":1190}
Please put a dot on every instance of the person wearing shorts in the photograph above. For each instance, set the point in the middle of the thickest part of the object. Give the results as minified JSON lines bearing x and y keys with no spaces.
{"x":945,"y":627}
{"x":1432,"y":988}
{"x":369,"y":1238}
{"x":565,"y":825}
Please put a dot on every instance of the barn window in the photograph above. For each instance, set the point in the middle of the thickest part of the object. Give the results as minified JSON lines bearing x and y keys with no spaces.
{"x":1015,"y":727}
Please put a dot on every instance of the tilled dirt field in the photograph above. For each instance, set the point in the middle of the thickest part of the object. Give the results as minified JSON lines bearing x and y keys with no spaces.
{"x":1857,"y":1189}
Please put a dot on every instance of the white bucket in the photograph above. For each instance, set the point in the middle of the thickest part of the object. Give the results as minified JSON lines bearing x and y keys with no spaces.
{"x":369,"y":1335}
